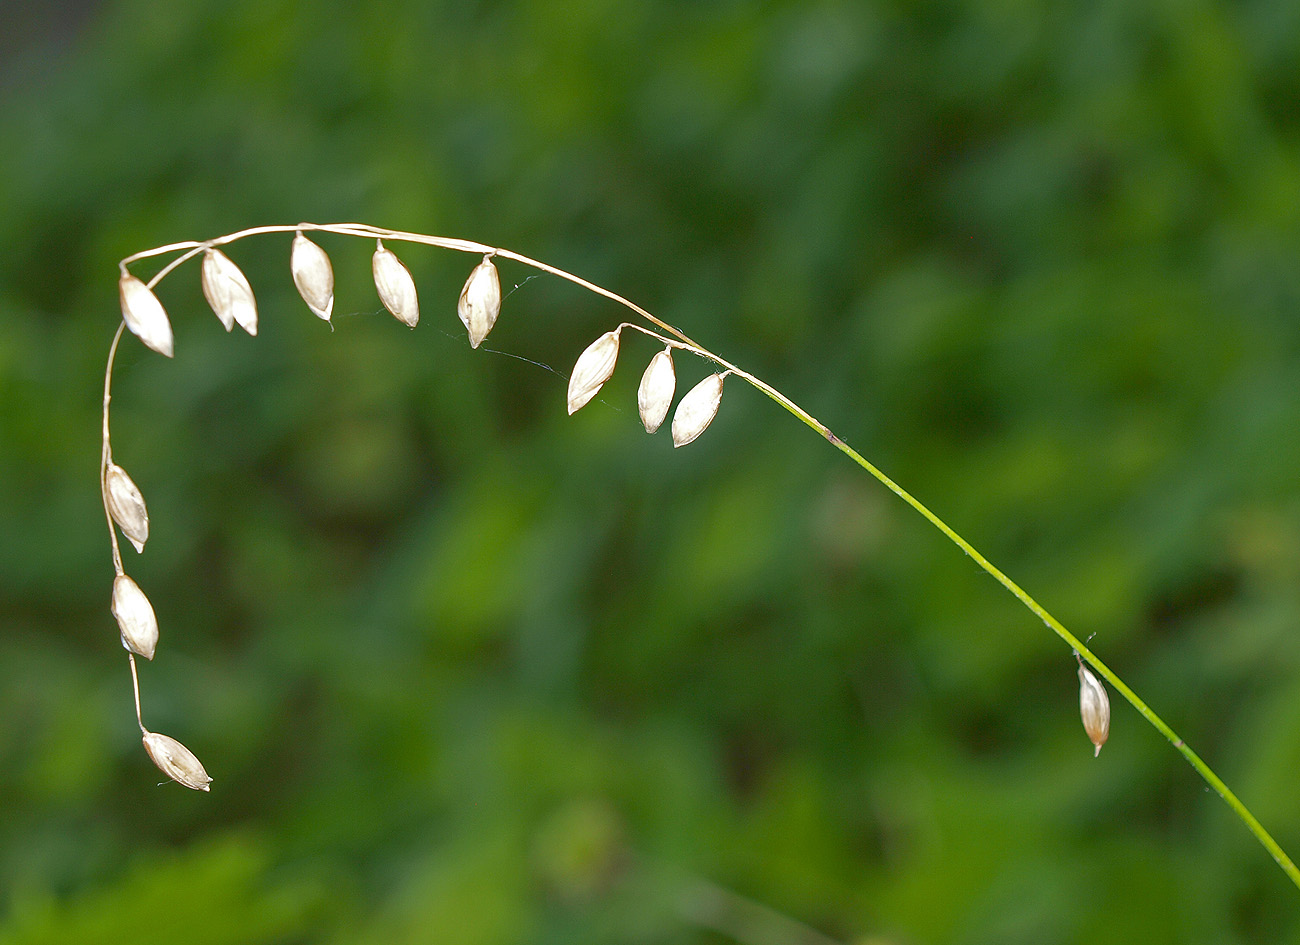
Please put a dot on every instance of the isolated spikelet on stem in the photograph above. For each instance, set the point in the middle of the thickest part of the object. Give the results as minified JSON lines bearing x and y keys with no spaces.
{"x":1094,"y":708}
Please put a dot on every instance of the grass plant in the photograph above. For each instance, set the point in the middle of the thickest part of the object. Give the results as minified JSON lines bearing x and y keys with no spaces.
{"x":231,"y":298}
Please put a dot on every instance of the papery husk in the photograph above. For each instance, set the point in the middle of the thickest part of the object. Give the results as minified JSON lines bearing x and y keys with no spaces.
{"x":144,"y":315}
{"x":697,"y":409}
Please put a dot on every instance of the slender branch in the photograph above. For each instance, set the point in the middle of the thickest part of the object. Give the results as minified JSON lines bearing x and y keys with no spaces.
{"x":135,"y":685}
{"x":678,"y":339}
{"x":106,"y":455}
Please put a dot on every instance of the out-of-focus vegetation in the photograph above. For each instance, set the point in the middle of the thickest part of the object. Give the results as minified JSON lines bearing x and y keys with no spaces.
{"x":467,"y":670}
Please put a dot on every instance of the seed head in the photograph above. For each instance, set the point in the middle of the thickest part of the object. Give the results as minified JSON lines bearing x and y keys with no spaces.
{"x":655,"y":395}
{"x":176,"y":761}
{"x":228,"y":292}
{"x":144,"y":314}
{"x":395,"y":286}
{"x":697,"y":410}
{"x":313,"y":276}
{"x":135,"y":617}
{"x":126,"y":505}
{"x":480,"y":301}
{"x":1094,"y":708}
{"x":592,"y":369}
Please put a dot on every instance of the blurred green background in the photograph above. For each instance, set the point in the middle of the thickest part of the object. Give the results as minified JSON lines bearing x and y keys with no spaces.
{"x":467,"y":670}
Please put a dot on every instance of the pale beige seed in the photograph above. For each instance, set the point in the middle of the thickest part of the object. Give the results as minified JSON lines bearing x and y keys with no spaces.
{"x":395,"y":286}
{"x":592,"y":369}
{"x":135,"y":617}
{"x":144,"y":315}
{"x":126,"y":505}
{"x":655,"y":395}
{"x":697,"y":410}
{"x":313,"y":276}
{"x":228,"y":292}
{"x":176,"y":761}
{"x":480,"y":301}
{"x":1094,"y":708}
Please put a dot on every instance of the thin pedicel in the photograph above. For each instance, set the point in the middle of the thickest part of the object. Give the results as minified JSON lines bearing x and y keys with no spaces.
{"x":231,"y":298}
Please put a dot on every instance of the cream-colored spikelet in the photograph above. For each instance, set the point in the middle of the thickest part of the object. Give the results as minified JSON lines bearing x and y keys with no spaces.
{"x":395,"y":286}
{"x":655,"y":395}
{"x":135,"y":617}
{"x":592,"y":369}
{"x":144,"y":315}
{"x":176,"y":761}
{"x":697,"y":409}
{"x":1094,"y":708}
{"x":126,"y":505}
{"x":313,"y":275}
{"x":480,"y":301}
{"x":228,"y":292}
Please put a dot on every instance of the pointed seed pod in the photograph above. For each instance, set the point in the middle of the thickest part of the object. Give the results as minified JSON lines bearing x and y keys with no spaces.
{"x":144,"y":314}
{"x":655,"y":395}
{"x":176,"y":761}
{"x":313,"y":276}
{"x":126,"y":505}
{"x":480,"y":301}
{"x":228,"y":292}
{"x":395,"y":286}
{"x":1094,"y":708}
{"x":697,"y":410}
{"x":135,"y":617}
{"x":592,"y":369}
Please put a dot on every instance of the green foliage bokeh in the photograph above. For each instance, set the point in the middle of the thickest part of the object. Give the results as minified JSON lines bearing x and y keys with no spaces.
{"x":467,"y":670}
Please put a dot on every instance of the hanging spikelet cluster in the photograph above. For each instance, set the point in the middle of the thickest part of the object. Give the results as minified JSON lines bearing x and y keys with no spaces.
{"x":231,"y":298}
{"x":695,"y":411}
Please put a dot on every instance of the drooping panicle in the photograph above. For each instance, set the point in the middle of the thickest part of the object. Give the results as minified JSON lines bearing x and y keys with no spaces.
{"x":697,"y":409}
{"x":655,"y":395}
{"x":592,"y":369}
{"x":126,"y":505}
{"x":135,"y":617}
{"x":313,"y":275}
{"x":480,"y":301}
{"x":228,"y":292}
{"x":144,"y":315}
{"x":395,"y":286}
{"x":176,"y":761}
{"x":1094,"y":708}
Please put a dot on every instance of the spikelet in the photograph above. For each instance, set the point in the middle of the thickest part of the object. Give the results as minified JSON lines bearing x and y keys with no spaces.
{"x":135,"y":617}
{"x":176,"y":761}
{"x":592,"y":369}
{"x":1094,"y":708}
{"x":126,"y":505}
{"x":395,"y":286}
{"x":697,"y":410}
{"x":480,"y":301}
{"x":655,"y":395}
{"x":144,"y":314}
{"x":313,"y":276}
{"x":228,"y":292}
